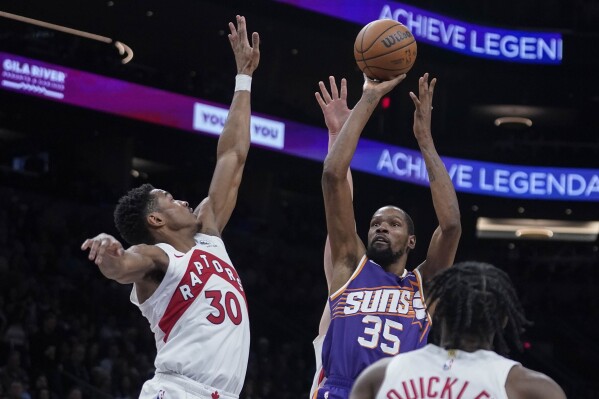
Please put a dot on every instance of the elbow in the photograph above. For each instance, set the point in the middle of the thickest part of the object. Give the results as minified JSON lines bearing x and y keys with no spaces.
{"x":112,"y":274}
{"x":240,"y":155}
{"x":452,"y":228}
{"x":235,"y":156}
{"x":332,"y":174}
{"x":123,"y":280}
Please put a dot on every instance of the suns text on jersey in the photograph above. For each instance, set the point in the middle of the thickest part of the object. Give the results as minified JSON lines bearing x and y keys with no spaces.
{"x":384,"y":300}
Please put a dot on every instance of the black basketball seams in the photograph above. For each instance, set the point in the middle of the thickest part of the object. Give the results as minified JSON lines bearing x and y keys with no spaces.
{"x":376,"y":38}
{"x":387,"y":53}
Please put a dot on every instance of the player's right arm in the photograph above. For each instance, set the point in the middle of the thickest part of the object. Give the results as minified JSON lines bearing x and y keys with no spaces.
{"x":124,"y":266}
{"x":523,"y":383}
{"x":346,"y":246}
{"x":370,"y":380}
{"x":335,"y":111}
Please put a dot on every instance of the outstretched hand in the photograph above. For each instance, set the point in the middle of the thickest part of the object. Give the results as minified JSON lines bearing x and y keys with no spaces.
{"x":333,"y":104}
{"x":246,"y":57}
{"x":102,"y":245}
{"x":379,"y":88}
{"x":424,"y":106}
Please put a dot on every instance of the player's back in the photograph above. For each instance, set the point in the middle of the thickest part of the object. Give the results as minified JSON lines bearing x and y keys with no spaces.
{"x":375,"y":315}
{"x":199,"y":317}
{"x":433,"y":372}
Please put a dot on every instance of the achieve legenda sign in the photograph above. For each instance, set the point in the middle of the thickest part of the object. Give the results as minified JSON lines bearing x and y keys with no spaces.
{"x":70,"y":86}
{"x":445,"y":32}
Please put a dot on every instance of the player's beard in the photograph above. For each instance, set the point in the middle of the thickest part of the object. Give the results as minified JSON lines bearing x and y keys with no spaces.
{"x":383,"y":257}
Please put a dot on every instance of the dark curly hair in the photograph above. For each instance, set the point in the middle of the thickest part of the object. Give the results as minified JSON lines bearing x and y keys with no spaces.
{"x":130,"y":215}
{"x":475,"y":298}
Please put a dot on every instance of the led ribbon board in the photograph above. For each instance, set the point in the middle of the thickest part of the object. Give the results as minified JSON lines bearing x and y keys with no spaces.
{"x":70,"y":86}
{"x":448,"y":33}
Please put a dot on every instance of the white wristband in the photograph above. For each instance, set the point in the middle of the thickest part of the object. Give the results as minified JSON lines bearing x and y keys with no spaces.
{"x":243,"y":82}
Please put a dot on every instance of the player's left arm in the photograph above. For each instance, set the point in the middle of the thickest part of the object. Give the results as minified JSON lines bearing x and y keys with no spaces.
{"x":529,"y":384}
{"x":444,"y":242}
{"x":234,"y":142}
{"x":370,"y":380}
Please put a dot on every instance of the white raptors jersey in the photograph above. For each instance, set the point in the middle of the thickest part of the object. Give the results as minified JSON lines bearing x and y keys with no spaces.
{"x":199,"y":316}
{"x":433,"y":372}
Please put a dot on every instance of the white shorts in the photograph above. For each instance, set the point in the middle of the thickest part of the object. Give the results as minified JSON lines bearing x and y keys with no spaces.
{"x":176,"y":386}
{"x":319,"y":377}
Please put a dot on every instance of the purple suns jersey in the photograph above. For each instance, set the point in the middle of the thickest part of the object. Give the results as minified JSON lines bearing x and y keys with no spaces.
{"x":374,"y":315}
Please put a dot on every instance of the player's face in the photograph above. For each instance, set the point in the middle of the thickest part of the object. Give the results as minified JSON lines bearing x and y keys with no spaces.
{"x":177,"y":212}
{"x":388,"y":236}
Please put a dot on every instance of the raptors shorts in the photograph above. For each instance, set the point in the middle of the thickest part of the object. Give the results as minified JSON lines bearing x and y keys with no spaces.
{"x":175,"y":386}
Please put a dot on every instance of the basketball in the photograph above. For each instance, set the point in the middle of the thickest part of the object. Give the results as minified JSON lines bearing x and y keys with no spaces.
{"x":385,"y":49}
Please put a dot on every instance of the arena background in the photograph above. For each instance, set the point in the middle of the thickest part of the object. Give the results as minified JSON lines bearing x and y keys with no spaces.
{"x":66,"y":331}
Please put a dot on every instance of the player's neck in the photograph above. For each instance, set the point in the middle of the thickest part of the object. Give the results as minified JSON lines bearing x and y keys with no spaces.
{"x":181,"y":240}
{"x":468,"y":343}
{"x":398,"y":267}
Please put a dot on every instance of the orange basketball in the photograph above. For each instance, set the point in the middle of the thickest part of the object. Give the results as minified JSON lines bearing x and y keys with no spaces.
{"x":385,"y":49}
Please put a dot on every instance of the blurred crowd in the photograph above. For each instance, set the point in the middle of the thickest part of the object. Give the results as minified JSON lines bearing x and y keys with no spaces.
{"x":67,"y":332}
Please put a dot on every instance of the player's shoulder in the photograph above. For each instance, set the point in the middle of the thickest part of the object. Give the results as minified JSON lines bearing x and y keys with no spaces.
{"x":146,"y":249}
{"x":154,"y":252}
{"x":524,"y":383}
{"x":371,"y":379}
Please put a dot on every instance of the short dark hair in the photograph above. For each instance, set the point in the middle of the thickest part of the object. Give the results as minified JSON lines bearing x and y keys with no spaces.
{"x":407,"y":218}
{"x":410,"y":223}
{"x":475,"y":298}
{"x":130,"y":215}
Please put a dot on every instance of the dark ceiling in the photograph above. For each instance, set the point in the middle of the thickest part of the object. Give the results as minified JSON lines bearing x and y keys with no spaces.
{"x":181,"y":45}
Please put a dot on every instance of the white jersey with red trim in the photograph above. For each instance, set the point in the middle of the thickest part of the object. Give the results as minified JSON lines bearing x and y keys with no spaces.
{"x":199,"y":316}
{"x":434,"y":372}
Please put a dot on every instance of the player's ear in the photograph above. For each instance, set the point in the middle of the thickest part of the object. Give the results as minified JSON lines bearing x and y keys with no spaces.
{"x":412,"y":242}
{"x":155,"y":219}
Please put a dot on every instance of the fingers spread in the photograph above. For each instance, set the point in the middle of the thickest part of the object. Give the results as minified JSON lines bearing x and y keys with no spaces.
{"x":334,"y":91}
{"x":432,"y":85}
{"x":415,"y":99}
{"x":343,"y":89}
{"x":256,"y":41}
{"x":320,"y":101}
{"x":233,"y":30}
{"x":325,"y":92}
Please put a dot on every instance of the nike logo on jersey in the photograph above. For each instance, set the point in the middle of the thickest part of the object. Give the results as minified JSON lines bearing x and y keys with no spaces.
{"x":179,"y":256}
{"x":385,"y":300}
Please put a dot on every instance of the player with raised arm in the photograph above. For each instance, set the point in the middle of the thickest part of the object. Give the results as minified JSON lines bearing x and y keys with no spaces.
{"x":376,"y":304}
{"x":183,"y":279}
{"x":335,"y":111}
{"x":476,"y":307}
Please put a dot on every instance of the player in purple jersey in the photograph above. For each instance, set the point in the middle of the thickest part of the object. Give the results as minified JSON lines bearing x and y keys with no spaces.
{"x":377,"y":306}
